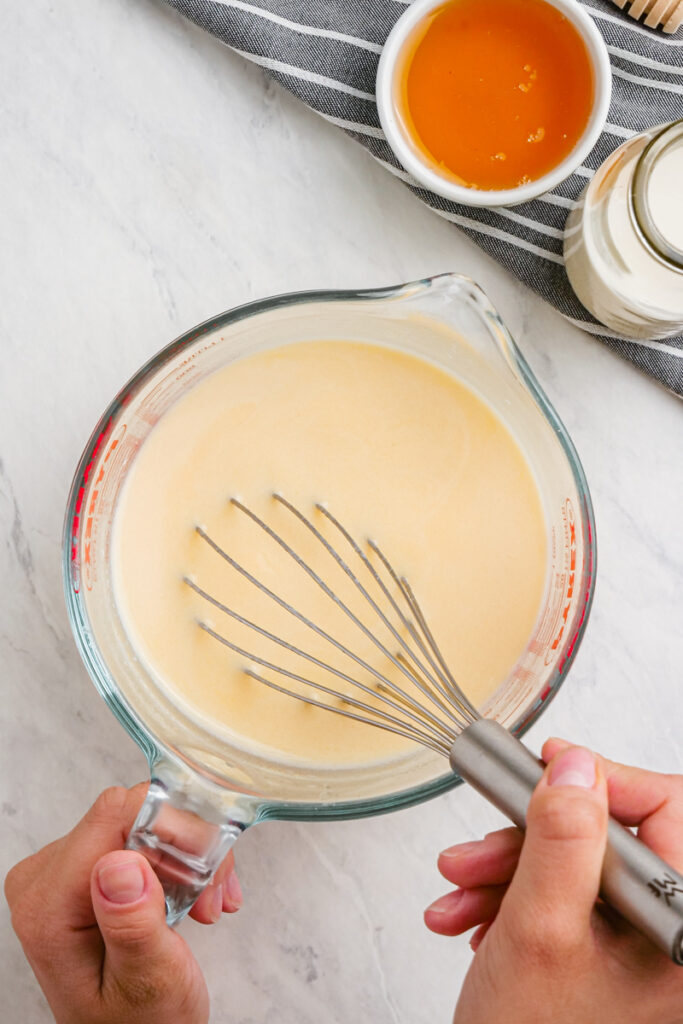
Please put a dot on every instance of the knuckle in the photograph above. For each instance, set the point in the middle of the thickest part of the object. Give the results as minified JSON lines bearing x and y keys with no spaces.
{"x":137,"y":793}
{"x":674,"y":783}
{"x":548,"y":941}
{"x":575,"y":815}
{"x":133,"y":935}
{"x":26,"y":921}
{"x":14,"y":883}
{"x":20,"y":878}
{"x":110,"y":804}
{"x":22,"y":922}
{"x":28,"y":897}
{"x":30,"y":927}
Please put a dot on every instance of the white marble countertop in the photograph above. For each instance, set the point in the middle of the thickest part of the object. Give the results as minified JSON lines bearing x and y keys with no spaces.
{"x":151,"y":178}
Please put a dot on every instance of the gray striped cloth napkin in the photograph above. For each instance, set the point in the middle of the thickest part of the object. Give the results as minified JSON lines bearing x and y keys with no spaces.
{"x":326,"y":53}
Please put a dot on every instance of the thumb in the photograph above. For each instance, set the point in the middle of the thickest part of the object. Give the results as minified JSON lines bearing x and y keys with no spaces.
{"x":129,"y":906}
{"x":556,"y":883}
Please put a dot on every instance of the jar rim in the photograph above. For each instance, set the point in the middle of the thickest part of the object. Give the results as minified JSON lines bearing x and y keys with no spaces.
{"x":670,"y":135}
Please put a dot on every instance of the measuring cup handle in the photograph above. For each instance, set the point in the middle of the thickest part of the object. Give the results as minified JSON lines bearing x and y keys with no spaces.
{"x":185,"y":829}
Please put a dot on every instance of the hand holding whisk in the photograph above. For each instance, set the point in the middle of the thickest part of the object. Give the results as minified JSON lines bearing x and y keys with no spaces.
{"x":426,"y":705}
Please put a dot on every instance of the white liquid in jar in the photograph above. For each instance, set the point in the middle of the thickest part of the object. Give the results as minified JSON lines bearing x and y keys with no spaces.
{"x":612,"y":265}
{"x":665,"y":195}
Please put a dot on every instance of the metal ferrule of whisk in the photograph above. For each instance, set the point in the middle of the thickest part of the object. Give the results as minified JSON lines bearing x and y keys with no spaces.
{"x":426,"y":705}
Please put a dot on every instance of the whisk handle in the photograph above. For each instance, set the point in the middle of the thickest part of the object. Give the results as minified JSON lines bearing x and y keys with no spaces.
{"x":635,"y":881}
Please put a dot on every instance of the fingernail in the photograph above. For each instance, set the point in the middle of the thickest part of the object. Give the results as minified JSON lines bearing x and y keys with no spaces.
{"x":575,"y":767}
{"x":460,"y":850}
{"x":445,"y":903}
{"x":232,"y":891}
{"x":217,"y":903}
{"x":121,"y":883}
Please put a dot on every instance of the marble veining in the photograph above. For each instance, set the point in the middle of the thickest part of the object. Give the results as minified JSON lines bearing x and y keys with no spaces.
{"x":150,"y":179}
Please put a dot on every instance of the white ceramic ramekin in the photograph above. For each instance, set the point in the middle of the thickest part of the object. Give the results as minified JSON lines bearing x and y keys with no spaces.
{"x":389,"y":75}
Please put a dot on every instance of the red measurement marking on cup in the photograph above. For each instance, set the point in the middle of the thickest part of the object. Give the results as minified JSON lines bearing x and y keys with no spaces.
{"x":152,"y":408}
{"x":570,"y":526}
{"x":75,"y":564}
{"x":91,"y":521}
{"x":82,"y":568}
{"x":551,"y":629}
{"x":585,"y":602}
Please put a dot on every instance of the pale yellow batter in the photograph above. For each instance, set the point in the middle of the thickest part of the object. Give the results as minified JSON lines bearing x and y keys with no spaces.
{"x":398,"y":450}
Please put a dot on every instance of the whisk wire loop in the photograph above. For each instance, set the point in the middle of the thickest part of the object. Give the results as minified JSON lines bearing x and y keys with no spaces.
{"x":445,"y":708}
{"x":406,"y":706}
{"x":434,"y":725}
{"x":468,"y":709}
{"x":455,"y":693}
{"x":418,"y":711}
{"x":382,"y":721}
{"x":446,"y":679}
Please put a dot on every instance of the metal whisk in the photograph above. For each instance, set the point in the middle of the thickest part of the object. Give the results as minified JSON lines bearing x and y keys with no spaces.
{"x":635,"y":881}
{"x":417,"y":658}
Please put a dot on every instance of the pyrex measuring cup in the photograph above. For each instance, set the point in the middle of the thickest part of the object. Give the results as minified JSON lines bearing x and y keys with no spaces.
{"x":205,"y":792}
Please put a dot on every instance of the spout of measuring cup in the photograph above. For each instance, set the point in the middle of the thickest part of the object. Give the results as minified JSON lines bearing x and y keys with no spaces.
{"x":185,"y":828}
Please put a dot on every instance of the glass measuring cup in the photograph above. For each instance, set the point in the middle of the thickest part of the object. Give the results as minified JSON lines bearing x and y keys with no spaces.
{"x":205,"y":792}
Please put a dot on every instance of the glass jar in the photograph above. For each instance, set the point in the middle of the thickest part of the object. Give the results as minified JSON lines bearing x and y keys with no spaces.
{"x":623,"y":242}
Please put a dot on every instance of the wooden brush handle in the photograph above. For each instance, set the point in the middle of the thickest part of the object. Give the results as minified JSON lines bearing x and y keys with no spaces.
{"x":664,"y":14}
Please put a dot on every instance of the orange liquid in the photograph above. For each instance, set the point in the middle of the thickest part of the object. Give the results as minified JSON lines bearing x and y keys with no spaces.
{"x":496,"y":92}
